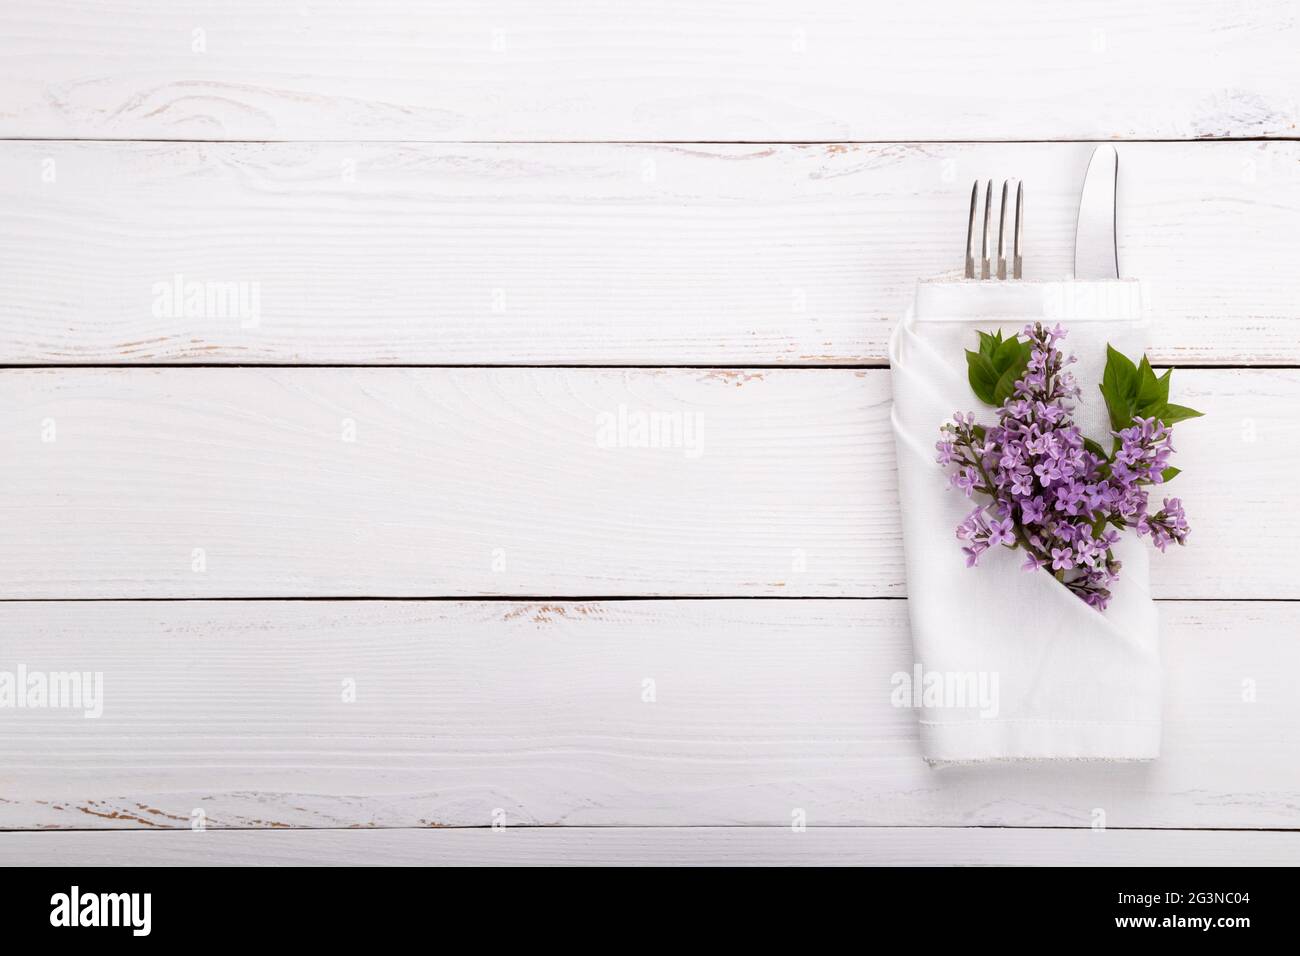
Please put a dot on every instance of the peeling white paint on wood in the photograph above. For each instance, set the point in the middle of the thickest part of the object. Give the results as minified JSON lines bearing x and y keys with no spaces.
{"x":365,"y":253}
{"x":301,"y":186}
{"x":656,"y":846}
{"x":666,"y":70}
{"x":291,"y":482}
{"x":470,"y":713}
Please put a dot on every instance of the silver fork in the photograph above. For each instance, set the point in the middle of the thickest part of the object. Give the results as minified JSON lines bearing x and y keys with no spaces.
{"x":1017,"y":263}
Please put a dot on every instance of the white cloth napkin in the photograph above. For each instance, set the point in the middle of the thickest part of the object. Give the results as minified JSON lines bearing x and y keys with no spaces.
{"x":1068,"y":682}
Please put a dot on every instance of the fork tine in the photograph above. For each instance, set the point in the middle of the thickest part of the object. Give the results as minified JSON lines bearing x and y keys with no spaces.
{"x":1002,"y":232}
{"x":1016,"y":263}
{"x":984,"y":243}
{"x":970,"y":231}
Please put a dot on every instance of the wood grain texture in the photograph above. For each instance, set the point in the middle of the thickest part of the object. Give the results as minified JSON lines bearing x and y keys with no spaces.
{"x":654,"y":846}
{"x":676,"y":70}
{"x":181,"y":483}
{"x":600,"y":254}
{"x":535,"y":714}
{"x":391,"y":237}
{"x":466,"y":713}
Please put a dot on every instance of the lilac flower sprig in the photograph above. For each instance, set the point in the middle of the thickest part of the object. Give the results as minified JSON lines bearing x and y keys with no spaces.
{"x":1061,"y":497}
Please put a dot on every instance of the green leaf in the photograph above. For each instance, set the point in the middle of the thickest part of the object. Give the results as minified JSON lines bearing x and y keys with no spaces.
{"x":982,"y":375}
{"x":1116,"y":406}
{"x":1153,"y":392}
{"x":1006,"y":386}
{"x":1120,"y":384}
{"x":1007,"y":354}
{"x":1177,"y":413}
{"x":1169,"y":474}
{"x":994,"y":370}
{"x":996,"y":367}
{"x":1121,"y":370}
{"x":1093,"y":447}
{"x":990,"y":343}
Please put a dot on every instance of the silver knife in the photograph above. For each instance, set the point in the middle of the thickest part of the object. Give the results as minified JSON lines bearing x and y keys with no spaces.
{"x":1096,"y":254}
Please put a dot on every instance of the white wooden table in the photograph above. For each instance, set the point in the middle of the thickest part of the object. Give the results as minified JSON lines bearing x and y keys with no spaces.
{"x":347,"y":535}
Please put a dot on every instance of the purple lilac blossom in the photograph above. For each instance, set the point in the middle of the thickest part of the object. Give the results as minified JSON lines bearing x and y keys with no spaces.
{"x":1049,"y":494}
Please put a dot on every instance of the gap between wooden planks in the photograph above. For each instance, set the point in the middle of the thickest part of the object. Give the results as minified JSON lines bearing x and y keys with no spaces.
{"x":655,"y":846}
{"x":291,"y":482}
{"x":464,"y":254}
{"x":474,"y":713}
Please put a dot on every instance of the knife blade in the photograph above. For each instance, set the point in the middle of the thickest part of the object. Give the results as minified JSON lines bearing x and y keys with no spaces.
{"x":1096,"y":254}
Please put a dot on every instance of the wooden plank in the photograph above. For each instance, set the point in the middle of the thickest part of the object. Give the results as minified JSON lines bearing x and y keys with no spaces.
{"x":599,"y":254}
{"x":654,"y":846}
{"x":457,"y":481}
{"x":466,"y":714}
{"x":677,"y":70}
{"x":181,"y":483}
